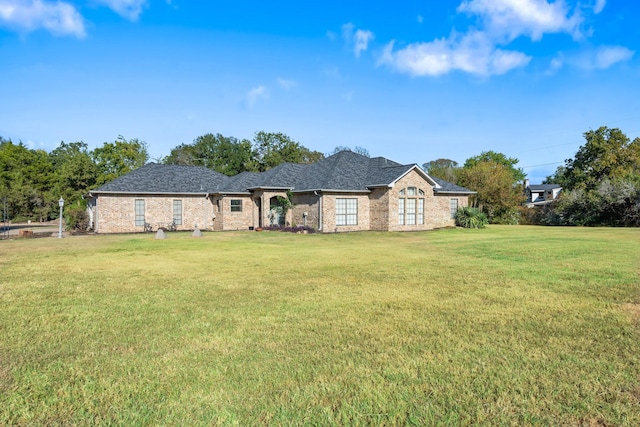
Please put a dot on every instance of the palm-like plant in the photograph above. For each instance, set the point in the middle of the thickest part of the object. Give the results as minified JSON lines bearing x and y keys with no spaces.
{"x":468,"y":217}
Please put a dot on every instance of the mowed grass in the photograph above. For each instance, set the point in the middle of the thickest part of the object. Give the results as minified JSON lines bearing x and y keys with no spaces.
{"x":502,"y":326}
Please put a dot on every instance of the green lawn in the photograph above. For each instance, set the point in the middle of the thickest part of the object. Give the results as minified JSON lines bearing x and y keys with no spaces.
{"x":502,"y":326}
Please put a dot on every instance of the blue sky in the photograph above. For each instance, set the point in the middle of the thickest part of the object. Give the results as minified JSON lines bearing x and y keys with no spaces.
{"x":413,"y":81}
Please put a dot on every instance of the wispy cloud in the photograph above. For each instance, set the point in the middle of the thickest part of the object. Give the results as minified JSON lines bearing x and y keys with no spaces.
{"x":286,"y":84}
{"x":358,"y":40}
{"x":473,"y":53}
{"x":256,"y":94}
{"x":532,"y":18}
{"x":599,"y":6}
{"x":60,"y":18}
{"x":600,"y":58}
{"x":129,"y":9}
{"x":603,"y":57}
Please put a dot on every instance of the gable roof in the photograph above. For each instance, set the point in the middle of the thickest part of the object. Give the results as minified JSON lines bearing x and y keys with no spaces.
{"x":162,"y":179}
{"x":344,"y":171}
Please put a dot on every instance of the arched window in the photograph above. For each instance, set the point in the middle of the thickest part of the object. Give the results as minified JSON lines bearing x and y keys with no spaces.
{"x":411,"y":206}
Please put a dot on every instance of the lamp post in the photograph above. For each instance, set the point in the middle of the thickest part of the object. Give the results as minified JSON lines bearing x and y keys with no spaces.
{"x":61,"y":204}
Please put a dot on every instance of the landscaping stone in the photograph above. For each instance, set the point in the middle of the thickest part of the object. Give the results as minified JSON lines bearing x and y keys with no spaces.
{"x":160,"y":234}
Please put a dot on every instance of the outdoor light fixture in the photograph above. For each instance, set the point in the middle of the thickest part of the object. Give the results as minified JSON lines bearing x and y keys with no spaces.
{"x":61,"y":204}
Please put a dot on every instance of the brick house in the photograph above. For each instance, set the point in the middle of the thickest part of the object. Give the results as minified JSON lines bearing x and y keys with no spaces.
{"x":343,"y":192}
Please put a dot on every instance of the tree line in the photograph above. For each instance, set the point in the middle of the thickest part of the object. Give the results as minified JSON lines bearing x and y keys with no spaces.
{"x":600,"y":184}
{"x":32,"y":180}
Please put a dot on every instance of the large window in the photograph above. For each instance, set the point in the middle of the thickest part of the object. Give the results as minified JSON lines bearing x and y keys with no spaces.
{"x":177,"y":212}
{"x":139,"y":212}
{"x":236,"y":205}
{"x":454,"y":207}
{"x":346,"y":211}
{"x":411,"y":206}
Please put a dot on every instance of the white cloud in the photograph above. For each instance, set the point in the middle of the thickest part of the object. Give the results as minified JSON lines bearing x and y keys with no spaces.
{"x":595,"y":59}
{"x":362,"y":39}
{"x":129,"y":9}
{"x":473,"y":53}
{"x":60,"y":18}
{"x":420,"y":19}
{"x":533,"y":18}
{"x":286,"y":84}
{"x":600,"y":4}
{"x":255,"y":94}
{"x":358,"y":39}
{"x":604,"y":57}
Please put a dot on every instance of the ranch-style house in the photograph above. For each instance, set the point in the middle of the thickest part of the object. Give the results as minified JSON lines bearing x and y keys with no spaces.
{"x":343,"y":192}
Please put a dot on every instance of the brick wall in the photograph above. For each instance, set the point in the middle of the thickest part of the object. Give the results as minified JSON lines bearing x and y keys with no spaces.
{"x":116,"y":213}
{"x":227,"y":220}
{"x":308,"y":203}
{"x":436,"y":208}
{"x":329,"y":212}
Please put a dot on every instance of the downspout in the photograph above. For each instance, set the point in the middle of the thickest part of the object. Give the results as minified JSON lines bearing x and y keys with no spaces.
{"x":319,"y":210}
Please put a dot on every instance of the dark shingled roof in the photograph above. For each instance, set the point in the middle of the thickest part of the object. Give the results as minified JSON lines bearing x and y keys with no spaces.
{"x":343,"y":171}
{"x":447,"y":187}
{"x":155,"y":178}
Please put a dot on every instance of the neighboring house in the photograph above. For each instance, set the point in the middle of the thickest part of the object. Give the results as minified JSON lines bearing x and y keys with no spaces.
{"x":343,"y":192}
{"x":541,"y":194}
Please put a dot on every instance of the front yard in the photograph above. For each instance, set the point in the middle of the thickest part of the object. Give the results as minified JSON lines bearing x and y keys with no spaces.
{"x":508,"y":325}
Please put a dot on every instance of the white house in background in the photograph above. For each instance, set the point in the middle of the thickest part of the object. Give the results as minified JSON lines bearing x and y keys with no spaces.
{"x":540,"y":194}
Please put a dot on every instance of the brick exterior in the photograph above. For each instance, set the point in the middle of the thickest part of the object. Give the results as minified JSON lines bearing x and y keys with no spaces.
{"x":377,"y":210}
{"x":116,"y":213}
{"x":226,"y":220}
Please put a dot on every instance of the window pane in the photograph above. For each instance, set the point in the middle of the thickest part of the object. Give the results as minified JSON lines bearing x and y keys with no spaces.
{"x":411,"y":191}
{"x":454,"y":207}
{"x":420,"y":211}
{"x":177,"y":212}
{"x":346,"y":211}
{"x":411,"y":211}
{"x":236,"y":205}
{"x":401,"y":211}
{"x":139,"y":212}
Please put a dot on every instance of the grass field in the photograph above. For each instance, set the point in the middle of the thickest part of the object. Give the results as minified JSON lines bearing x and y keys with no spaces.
{"x":502,"y":326}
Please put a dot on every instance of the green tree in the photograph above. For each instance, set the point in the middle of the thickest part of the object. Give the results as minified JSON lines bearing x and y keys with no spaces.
{"x":75,"y":173}
{"x":120,"y":157}
{"x":442,"y":168}
{"x":227,"y":155}
{"x":509,"y":163}
{"x":272,"y":149}
{"x":25,"y":177}
{"x":497,"y":195}
{"x":601,"y":184}
{"x":607,"y":153}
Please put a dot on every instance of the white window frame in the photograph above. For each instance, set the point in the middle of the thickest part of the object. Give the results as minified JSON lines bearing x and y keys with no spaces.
{"x":453,"y":207}
{"x":138,"y":209}
{"x":177,"y":212}
{"x":411,"y":206}
{"x":346,"y":211}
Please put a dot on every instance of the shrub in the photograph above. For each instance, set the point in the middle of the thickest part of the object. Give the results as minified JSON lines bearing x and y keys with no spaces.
{"x":77,"y":218}
{"x":287,"y":229}
{"x":471,"y":218}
